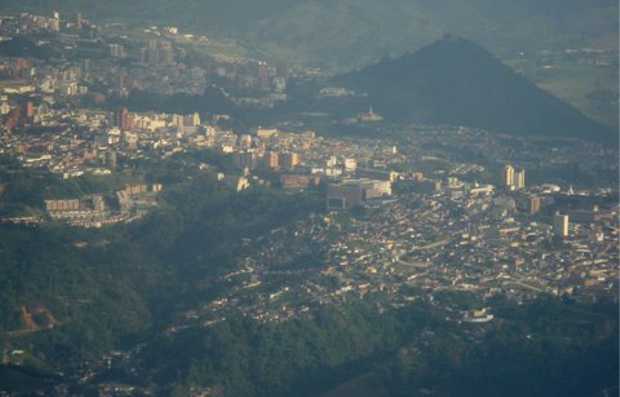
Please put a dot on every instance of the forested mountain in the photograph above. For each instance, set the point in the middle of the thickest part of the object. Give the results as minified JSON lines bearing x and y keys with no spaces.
{"x":94,"y":287}
{"x":347,"y":33}
{"x":354,"y":32}
{"x":404,"y":352}
{"x":455,"y":81}
{"x":118,"y":286}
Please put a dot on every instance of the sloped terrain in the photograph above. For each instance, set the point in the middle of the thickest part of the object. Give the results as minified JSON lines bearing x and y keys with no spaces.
{"x":455,"y":81}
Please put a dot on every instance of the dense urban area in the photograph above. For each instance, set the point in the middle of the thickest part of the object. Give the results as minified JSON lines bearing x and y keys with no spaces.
{"x":107,"y":130}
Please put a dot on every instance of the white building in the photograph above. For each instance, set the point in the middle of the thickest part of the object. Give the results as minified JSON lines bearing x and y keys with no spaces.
{"x":560,"y":225}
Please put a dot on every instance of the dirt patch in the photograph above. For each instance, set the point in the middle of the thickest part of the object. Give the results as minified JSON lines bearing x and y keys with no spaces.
{"x":37,"y":317}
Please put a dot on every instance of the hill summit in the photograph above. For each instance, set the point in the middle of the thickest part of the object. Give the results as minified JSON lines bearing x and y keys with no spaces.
{"x":455,"y":81}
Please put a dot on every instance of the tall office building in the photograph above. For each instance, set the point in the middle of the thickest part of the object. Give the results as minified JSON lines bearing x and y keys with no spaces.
{"x":519,"y":179}
{"x":123,"y":120}
{"x":534,"y":205}
{"x":560,"y":225}
{"x":509,"y":175}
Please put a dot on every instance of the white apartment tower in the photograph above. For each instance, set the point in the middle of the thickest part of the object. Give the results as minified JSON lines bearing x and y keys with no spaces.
{"x":509,"y":175}
{"x":560,"y":225}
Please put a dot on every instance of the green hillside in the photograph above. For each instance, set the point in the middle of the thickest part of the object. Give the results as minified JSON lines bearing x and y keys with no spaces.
{"x":347,"y":33}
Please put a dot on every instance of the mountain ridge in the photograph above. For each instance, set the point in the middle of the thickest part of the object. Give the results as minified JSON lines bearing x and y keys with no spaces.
{"x":343,"y":34}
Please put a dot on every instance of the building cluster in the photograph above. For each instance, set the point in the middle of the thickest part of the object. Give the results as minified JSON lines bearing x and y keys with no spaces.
{"x":78,"y":142}
{"x":26,"y":23}
{"x":482,"y":244}
{"x":114,"y":61}
{"x":365,"y":117}
{"x":96,"y":210}
{"x":429,"y":231}
{"x":352,"y":193}
{"x":514,"y":178}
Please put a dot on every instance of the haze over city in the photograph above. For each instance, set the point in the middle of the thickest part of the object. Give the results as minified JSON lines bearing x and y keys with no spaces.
{"x":309,"y":198}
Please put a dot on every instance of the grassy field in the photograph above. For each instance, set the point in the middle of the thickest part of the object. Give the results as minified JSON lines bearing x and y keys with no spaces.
{"x":574,"y":83}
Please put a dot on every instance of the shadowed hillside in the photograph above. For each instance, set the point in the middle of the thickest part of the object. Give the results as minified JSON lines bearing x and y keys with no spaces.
{"x":455,"y":81}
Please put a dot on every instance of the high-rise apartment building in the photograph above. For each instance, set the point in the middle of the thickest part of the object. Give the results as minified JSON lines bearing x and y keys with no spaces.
{"x":534,"y":206}
{"x":123,"y":120}
{"x":509,"y":175}
{"x":560,"y":225}
{"x":519,"y":179}
{"x":290,"y":160}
